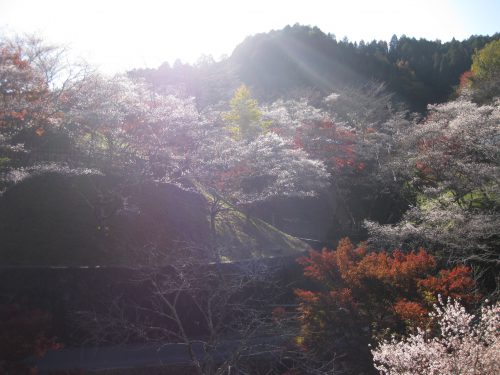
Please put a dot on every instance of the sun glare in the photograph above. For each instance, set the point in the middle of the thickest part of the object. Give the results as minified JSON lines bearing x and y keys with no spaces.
{"x":120,"y":35}
{"x":162,"y":215}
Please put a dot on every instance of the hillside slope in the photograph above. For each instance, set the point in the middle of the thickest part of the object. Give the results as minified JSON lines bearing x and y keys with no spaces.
{"x":298,"y":57}
{"x":55,"y":219}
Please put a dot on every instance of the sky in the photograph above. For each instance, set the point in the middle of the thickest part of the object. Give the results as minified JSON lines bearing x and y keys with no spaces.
{"x":118,"y":35}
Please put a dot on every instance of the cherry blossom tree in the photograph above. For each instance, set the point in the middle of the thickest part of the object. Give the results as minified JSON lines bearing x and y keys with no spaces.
{"x":451,"y":162}
{"x":354,"y":133}
{"x":130,"y":127}
{"x":462,"y":344}
{"x":34,"y":80}
{"x":244,"y":167}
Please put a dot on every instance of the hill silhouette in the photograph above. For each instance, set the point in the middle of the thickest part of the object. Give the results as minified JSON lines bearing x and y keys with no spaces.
{"x":298,"y":60}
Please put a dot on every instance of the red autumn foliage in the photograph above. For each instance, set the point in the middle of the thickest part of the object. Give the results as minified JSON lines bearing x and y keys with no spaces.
{"x":224,"y":180}
{"x":465,"y":80}
{"x":456,"y":283}
{"x":23,"y":333}
{"x":361,"y":166}
{"x":24,"y":90}
{"x":307,"y":296}
{"x":413,"y":313}
{"x":329,"y":142}
{"x":357,"y":289}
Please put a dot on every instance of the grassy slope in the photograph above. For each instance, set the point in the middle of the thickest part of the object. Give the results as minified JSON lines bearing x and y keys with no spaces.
{"x":240,"y":237}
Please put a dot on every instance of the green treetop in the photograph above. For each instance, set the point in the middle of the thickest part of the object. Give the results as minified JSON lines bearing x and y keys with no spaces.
{"x":486,"y":62}
{"x":244,"y":117}
{"x":486,"y":71}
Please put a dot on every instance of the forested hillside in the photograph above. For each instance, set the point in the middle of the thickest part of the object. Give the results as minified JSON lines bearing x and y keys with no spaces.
{"x":303,"y":60}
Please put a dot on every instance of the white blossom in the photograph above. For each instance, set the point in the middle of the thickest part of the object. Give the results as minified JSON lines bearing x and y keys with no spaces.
{"x":451,"y":162}
{"x":466,"y":344}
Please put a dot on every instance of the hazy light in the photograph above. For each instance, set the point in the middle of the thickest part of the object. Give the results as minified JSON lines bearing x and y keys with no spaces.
{"x":120,"y":35}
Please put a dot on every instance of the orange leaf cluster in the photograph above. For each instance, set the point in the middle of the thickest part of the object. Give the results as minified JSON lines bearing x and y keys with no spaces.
{"x":465,"y":80}
{"x":456,"y":283}
{"x":330,"y":142}
{"x":411,"y":312}
{"x":24,"y":90}
{"x":386,"y":289}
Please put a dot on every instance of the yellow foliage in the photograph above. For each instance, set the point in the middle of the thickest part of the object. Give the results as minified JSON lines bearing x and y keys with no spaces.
{"x":486,"y":62}
{"x":244,"y":117}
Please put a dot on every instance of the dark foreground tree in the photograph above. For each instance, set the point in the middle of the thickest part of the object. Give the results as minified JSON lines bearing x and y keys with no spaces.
{"x":222,"y":315}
